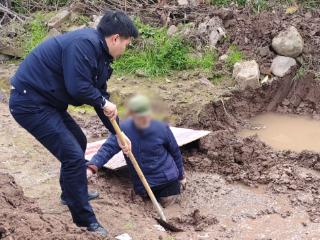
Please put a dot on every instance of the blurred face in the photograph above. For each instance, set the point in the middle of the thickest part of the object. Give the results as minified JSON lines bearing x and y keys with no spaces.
{"x":141,"y":122}
{"x":117,"y":45}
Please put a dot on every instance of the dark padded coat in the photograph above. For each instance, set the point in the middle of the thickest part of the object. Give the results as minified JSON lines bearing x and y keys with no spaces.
{"x":155,"y":149}
{"x":72,"y":68}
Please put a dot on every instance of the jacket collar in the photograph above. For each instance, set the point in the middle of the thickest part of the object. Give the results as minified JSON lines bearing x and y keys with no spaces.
{"x":104,"y":45}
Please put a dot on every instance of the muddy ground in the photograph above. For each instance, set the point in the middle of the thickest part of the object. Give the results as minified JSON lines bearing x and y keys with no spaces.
{"x":238,"y":188}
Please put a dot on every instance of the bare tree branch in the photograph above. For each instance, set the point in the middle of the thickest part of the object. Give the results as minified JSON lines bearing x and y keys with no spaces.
{"x":7,"y":11}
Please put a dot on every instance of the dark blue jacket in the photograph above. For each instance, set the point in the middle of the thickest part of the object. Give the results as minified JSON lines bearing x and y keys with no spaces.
{"x":72,"y":68}
{"x":155,"y":149}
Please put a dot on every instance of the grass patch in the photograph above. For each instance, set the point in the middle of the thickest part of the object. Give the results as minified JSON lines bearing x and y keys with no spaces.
{"x":36,"y":32}
{"x":234,"y":56}
{"x":156,"y":54}
{"x":27,"y":6}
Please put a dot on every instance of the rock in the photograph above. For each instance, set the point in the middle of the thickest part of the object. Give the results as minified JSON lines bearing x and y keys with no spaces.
{"x":4,"y":57}
{"x":247,"y":74}
{"x":52,"y":33}
{"x":214,"y":27}
{"x":281,"y":65}
{"x":96,"y":20}
{"x":11,"y":51}
{"x":140,"y":73}
{"x":223,"y":57}
{"x":182,"y":2}
{"x":59,"y":18}
{"x":172,"y":30}
{"x":288,"y":43}
{"x":215,"y":36}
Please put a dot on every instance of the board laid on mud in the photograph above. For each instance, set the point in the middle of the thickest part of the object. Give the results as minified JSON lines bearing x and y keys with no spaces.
{"x":182,"y":135}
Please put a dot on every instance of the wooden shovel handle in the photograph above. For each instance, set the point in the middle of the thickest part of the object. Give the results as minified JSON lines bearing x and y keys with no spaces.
{"x":138,"y":170}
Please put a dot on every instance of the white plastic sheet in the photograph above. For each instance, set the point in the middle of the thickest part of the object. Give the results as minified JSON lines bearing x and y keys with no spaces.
{"x":182,"y":135}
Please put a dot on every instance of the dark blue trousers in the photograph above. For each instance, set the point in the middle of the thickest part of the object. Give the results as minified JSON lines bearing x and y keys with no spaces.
{"x":60,"y":134}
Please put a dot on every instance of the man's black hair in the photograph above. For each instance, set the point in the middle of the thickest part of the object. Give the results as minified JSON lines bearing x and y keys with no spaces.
{"x":117,"y":22}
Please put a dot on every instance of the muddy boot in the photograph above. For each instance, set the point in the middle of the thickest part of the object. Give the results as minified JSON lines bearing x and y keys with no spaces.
{"x":91,"y":195}
{"x":168,"y":201}
{"x":97,"y":228}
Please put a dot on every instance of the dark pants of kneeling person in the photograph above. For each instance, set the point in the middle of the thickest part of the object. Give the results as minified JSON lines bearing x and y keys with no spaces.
{"x":61,"y":135}
{"x":166,"y":190}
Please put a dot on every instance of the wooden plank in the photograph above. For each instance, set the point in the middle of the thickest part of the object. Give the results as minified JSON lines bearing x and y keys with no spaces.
{"x":182,"y":135}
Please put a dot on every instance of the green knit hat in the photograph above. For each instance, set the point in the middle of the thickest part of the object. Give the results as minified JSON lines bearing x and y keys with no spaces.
{"x":140,"y":105}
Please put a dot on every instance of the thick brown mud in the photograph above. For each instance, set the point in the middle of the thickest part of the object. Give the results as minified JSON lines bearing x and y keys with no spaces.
{"x":21,"y":218}
{"x":236,"y":186}
{"x":251,"y":161}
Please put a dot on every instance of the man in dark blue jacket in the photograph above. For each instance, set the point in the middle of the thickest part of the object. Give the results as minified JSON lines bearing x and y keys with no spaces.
{"x":72,"y":68}
{"x":155,"y":149}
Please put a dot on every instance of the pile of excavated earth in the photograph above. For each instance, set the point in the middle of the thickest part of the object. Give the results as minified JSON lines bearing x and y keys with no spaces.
{"x":21,"y":218}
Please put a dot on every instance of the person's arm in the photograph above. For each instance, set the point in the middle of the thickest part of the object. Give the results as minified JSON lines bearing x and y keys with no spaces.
{"x":104,"y":154}
{"x":173,"y":148}
{"x":79,"y":60}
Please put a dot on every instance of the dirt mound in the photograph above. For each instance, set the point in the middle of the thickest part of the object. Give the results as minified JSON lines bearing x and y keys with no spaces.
{"x":21,"y":218}
{"x":251,"y":32}
{"x":251,"y":161}
{"x":195,"y":220}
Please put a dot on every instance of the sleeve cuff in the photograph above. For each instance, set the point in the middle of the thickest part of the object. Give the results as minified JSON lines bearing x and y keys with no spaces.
{"x":92,"y":167}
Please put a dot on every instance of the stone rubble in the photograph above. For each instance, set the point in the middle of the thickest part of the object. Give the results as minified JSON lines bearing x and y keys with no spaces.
{"x":59,"y":18}
{"x":247,"y":74}
{"x":288,"y":43}
{"x":281,"y":65}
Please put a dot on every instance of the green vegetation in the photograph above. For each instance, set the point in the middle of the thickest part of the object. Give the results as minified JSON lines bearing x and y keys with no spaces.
{"x":27,"y":6}
{"x":36,"y":32}
{"x":157,"y":54}
{"x":234,"y":56}
{"x":81,"y":109}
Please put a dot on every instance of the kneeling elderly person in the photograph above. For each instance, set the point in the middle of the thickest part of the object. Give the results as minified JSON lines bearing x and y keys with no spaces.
{"x":155,"y":149}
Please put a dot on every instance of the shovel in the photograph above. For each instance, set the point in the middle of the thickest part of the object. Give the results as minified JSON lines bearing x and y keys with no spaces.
{"x":162,"y":219}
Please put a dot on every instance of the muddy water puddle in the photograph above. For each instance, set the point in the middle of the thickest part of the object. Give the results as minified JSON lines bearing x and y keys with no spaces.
{"x":285,"y":132}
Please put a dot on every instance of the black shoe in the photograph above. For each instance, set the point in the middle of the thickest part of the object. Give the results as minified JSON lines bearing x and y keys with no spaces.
{"x":97,"y":228}
{"x":91,"y":195}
